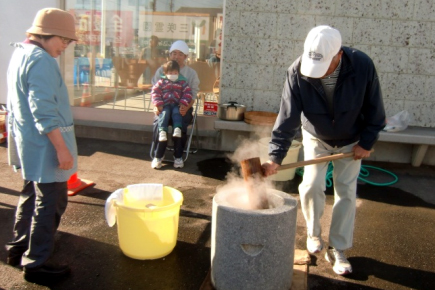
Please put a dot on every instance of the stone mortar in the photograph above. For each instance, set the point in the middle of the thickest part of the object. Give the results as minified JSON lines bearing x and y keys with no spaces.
{"x":253,"y":249}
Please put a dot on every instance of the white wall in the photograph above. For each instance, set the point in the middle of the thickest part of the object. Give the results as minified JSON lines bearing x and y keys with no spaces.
{"x":15,"y":18}
{"x":263,"y":37}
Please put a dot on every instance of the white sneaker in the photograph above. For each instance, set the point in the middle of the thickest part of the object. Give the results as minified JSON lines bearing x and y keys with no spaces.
{"x":157,"y":163}
{"x":162,"y":136}
{"x":314,"y":244}
{"x":177,"y":133}
{"x":178,"y":163}
{"x":341,"y":265}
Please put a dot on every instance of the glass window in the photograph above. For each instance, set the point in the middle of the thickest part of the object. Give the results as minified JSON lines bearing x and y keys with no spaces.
{"x":122,"y":44}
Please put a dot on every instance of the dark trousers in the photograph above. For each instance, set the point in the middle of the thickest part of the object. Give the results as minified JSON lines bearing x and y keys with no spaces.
{"x":38,"y":214}
{"x":170,"y":112}
{"x":179,"y":143}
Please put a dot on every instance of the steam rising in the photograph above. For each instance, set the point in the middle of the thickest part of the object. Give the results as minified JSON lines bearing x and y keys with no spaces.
{"x":247,"y":149}
{"x":245,"y":194}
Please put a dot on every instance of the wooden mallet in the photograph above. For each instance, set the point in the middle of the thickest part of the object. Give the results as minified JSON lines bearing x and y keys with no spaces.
{"x":252,"y":167}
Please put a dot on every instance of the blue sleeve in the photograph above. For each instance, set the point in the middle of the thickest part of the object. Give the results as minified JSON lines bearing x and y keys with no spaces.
{"x":288,"y":121}
{"x":373,"y":112}
{"x":44,"y":81}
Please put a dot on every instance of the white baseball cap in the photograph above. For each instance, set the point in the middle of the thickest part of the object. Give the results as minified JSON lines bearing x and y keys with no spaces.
{"x":181,"y":46}
{"x":321,"y":45}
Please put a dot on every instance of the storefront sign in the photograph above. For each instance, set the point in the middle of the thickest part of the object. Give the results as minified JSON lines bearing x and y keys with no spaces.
{"x":210,"y":108}
{"x":118,"y":24}
{"x":174,"y":25}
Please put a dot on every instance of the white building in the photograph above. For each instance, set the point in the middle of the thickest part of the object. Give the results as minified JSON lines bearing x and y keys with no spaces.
{"x":260,"y":39}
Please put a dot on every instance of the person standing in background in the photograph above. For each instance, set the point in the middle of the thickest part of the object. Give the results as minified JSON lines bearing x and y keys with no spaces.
{"x":41,"y":142}
{"x":154,"y":57}
{"x":334,"y":92}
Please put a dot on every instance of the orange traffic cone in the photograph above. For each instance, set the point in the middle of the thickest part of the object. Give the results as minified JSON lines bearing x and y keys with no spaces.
{"x":86,"y":97}
{"x":76,"y":184}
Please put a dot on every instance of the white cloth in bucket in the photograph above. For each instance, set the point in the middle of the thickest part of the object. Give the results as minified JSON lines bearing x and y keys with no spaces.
{"x":147,"y":192}
{"x":110,"y":210}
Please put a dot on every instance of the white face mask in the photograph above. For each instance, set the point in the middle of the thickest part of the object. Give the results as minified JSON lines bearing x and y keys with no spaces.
{"x":172,"y":77}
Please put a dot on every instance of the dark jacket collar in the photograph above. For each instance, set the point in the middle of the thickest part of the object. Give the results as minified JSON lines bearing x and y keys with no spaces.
{"x":346,"y":71}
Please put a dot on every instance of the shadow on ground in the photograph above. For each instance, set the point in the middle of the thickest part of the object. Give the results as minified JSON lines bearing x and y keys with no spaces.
{"x":98,"y":265}
{"x":216,"y":168}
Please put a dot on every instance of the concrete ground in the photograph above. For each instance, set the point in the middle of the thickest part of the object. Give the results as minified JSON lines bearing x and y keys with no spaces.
{"x":393,"y":239}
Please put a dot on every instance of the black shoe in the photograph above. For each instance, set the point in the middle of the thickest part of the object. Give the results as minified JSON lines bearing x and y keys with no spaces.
{"x":14,"y":260}
{"x":45,"y":272}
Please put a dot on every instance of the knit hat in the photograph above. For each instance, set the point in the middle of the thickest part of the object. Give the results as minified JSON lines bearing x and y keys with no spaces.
{"x":181,"y":46}
{"x":321,"y":45}
{"x":53,"y":21}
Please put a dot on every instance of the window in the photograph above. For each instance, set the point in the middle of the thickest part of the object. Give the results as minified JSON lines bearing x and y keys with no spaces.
{"x":122,"y":43}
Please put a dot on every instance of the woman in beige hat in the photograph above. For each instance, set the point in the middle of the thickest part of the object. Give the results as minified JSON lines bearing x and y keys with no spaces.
{"x":42,"y":142}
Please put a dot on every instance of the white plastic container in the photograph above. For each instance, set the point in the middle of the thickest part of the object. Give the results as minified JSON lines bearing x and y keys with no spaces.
{"x":292,"y":156}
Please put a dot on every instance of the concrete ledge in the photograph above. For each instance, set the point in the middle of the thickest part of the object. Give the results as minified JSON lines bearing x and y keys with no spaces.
{"x":420,"y":137}
{"x":238,"y":126}
{"x":104,"y":132}
{"x":130,"y":131}
{"x":114,"y":125}
{"x":412,"y":135}
{"x":414,"y":145}
{"x":232,"y":133}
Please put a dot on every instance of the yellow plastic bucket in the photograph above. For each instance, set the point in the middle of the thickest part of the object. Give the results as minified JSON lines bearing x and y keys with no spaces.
{"x":149,"y":233}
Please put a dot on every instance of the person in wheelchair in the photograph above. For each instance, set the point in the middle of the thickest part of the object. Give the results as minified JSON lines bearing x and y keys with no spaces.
{"x":179,"y":52}
{"x":169,"y":94}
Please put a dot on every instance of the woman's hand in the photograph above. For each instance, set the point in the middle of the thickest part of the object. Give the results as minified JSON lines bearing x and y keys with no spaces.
{"x":66,"y":160}
{"x":64,"y":156}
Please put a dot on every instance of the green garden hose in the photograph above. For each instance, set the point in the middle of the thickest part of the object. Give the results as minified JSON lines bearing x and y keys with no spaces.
{"x":364,"y":172}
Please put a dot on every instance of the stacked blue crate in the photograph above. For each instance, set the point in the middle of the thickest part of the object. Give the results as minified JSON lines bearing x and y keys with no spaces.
{"x":82,"y":67}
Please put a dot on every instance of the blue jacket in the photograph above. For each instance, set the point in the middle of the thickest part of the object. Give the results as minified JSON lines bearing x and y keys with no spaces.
{"x":38,"y":103}
{"x":358,"y":110}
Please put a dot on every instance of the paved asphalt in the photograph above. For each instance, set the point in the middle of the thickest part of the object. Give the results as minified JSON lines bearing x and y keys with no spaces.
{"x":393,"y":241}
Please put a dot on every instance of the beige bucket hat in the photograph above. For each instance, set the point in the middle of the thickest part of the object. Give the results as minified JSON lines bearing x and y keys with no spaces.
{"x":53,"y":21}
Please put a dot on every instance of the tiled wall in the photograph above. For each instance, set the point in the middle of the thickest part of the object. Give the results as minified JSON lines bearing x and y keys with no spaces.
{"x":262,"y":38}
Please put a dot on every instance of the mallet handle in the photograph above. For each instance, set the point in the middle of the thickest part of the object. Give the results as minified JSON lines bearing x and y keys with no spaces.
{"x":317,"y":160}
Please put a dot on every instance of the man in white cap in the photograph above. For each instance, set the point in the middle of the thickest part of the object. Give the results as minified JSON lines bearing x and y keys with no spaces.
{"x":334,"y":93}
{"x":178,"y":52}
